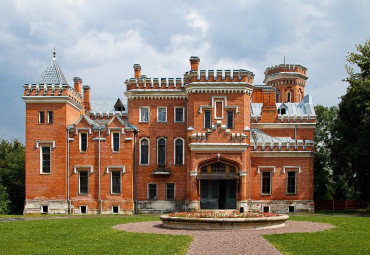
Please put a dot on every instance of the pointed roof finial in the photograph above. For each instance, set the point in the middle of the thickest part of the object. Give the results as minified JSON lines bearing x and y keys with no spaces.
{"x":54,"y":52}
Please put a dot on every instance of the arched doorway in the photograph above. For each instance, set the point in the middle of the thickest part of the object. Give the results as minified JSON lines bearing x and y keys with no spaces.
{"x":218,"y":186}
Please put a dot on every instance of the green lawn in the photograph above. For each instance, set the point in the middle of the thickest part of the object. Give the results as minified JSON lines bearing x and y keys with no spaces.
{"x":351,"y":235}
{"x":85,"y":236}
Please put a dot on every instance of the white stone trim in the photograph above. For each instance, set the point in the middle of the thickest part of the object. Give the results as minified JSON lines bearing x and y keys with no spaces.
{"x":108,"y":168}
{"x":283,"y":154}
{"x":243,"y":173}
{"x":116,"y":128}
{"x":291,"y":168}
{"x":84,"y":167}
{"x":193,"y":173}
{"x":83,"y":129}
{"x":38,"y":142}
{"x":52,"y":99}
{"x":218,"y":146}
{"x":266,"y":167}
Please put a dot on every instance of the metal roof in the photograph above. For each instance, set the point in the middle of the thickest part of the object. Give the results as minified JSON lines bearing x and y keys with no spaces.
{"x":53,"y":73}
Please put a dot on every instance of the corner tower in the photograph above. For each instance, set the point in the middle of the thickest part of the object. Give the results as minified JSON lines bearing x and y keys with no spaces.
{"x":289,"y":80}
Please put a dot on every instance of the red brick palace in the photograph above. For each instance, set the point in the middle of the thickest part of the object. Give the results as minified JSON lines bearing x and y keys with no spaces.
{"x":208,"y":140}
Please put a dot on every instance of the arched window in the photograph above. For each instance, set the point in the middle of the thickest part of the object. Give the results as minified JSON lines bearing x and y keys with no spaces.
{"x":288,"y":97}
{"x":161,"y":152}
{"x":179,"y":151}
{"x":144,"y":152}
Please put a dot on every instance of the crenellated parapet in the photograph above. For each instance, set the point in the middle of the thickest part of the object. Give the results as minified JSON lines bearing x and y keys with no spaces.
{"x":52,"y":90}
{"x":154,"y":83}
{"x":286,"y":74}
{"x":240,"y":75}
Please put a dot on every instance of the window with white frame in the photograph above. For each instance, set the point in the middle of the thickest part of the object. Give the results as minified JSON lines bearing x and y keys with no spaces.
{"x":144,"y":151}
{"x":219,"y":109}
{"x":115,"y":141}
{"x":41,"y":117}
{"x":152,"y":191}
{"x":161,"y":152}
{"x":144,"y":114}
{"x":266,"y":183}
{"x":83,"y":141}
{"x":230,"y":120}
{"x":179,"y":151}
{"x":170,"y":191}
{"x":50,"y":117}
{"x":162,"y":114}
{"x":291,"y":183}
{"x":115,"y":182}
{"x":179,"y":114}
{"x":83,"y":182}
{"x":45,"y":159}
{"x":207,"y":119}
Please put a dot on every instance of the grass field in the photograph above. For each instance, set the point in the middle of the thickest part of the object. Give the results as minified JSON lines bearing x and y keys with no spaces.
{"x":95,"y":235}
{"x":351,"y":235}
{"x":85,"y":236}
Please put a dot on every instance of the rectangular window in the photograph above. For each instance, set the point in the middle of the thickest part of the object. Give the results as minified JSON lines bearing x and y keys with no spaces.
{"x":45,"y":159}
{"x":219,"y":110}
{"x":83,"y":182}
{"x":152,"y":191}
{"x":266,"y":183}
{"x":179,"y":114}
{"x":230,"y":120}
{"x":116,"y":182}
{"x":83,"y":142}
{"x":115,"y":141}
{"x":44,"y":209}
{"x":144,"y":114}
{"x":207,"y":119}
{"x":50,"y":117}
{"x":162,"y":114}
{"x":291,"y":187}
{"x":115,"y":209}
{"x":170,"y":191}
{"x":41,"y":117}
{"x":83,"y":209}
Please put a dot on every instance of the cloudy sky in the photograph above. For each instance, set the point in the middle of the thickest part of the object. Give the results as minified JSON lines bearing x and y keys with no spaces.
{"x":100,"y":41}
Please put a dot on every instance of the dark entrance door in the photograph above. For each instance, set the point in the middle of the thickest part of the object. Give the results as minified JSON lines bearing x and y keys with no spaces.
{"x":218,"y":194}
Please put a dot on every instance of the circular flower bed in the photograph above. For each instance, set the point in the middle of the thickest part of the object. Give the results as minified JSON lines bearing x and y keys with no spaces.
{"x":218,"y":215}
{"x":223,"y":220}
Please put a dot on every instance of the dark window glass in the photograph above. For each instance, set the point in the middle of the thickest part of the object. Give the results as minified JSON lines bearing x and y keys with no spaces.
{"x":41,"y":117}
{"x":179,"y":152}
{"x":115,"y":141}
{"x":232,"y":169}
{"x":266,"y":182}
{"x":230,"y":119}
{"x":50,"y":117}
{"x":179,"y":114}
{"x":83,"y":137}
{"x":162,"y":114}
{"x":144,"y":156}
{"x":291,"y":185}
{"x":218,"y":167}
{"x":84,"y":182}
{"x":83,"y":209}
{"x":45,"y":159}
{"x":203,"y":170}
{"x":116,"y":182}
{"x":207,"y":119}
{"x":115,"y":209}
{"x":161,"y":152}
{"x":144,"y":114}
{"x":288,"y":97}
{"x":152,"y":191}
{"x":170,"y":191}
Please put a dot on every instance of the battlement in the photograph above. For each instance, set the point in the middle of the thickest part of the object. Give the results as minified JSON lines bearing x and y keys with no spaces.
{"x":282,"y":68}
{"x":56,"y":90}
{"x":154,"y":83}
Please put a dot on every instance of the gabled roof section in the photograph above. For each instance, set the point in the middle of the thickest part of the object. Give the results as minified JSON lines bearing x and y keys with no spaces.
{"x":88,"y":120}
{"x":53,"y":73}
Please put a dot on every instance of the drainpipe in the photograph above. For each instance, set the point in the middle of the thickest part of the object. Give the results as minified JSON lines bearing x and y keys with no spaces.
{"x":295,"y":136}
{"x":134,"y":174}
{"x":250,"y":183}
{"x":100,"y":201}
{"x":68,"y":200}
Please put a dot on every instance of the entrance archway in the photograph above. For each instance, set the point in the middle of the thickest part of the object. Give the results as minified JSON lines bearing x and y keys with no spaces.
{"x":218,"y":186}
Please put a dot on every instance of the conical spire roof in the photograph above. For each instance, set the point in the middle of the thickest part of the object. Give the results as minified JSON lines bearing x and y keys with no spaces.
{"x":53,"y":74}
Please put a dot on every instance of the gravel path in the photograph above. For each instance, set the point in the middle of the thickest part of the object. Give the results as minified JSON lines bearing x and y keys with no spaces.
{"x":227,"y":241}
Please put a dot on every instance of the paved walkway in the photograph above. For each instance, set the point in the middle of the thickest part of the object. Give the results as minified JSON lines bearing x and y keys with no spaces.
{"x":227,"y":241}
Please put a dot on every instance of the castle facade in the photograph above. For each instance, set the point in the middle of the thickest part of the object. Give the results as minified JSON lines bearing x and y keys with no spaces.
{"x":208,"y":140}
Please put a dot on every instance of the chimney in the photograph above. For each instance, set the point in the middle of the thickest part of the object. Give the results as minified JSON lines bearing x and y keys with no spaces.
{"x":78,"y":84}
{"x":87,"y":104}
{"x":137,"y":69}
{"x":194,"y":63}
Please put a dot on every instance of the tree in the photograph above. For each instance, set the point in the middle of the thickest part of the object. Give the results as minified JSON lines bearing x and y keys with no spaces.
{"x":12,"y":173}
{"x":4,"y":201}
{"x":323,"y":183}
{"x":350,"y":149}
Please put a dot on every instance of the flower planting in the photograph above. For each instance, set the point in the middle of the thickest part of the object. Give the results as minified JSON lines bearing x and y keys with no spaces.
{"x":210,"y":214}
